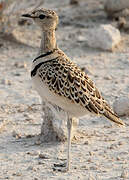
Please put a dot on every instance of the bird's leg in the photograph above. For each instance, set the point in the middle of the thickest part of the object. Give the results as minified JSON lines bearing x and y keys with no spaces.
{"x":69,"y":127}
{"x":66,"y":167}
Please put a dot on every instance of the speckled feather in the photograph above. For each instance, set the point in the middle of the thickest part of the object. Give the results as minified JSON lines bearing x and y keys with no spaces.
{"x":64,"y":78}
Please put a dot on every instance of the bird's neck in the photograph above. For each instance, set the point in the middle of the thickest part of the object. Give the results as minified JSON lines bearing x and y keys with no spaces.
{"x":48,"y":42}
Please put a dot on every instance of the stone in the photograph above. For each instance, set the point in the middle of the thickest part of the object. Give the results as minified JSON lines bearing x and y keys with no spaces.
{"x":112,"y":6}
{"x":116,"y":9}
{"x":123,"y":24}
{"x":121,"y":106}
{"x":54,"y":126}
{"x":10,"y":10}
{"x":74,"y":2}
{"x":124,"y":174}
{"x":104,"y":37}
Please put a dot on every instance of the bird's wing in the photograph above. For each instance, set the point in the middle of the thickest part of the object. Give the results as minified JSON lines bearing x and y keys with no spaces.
{"x":64,"y":78}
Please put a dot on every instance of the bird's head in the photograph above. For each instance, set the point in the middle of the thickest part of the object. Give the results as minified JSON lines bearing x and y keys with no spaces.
{"x":46,"y":19}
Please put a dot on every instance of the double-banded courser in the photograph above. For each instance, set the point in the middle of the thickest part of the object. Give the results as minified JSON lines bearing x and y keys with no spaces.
{"x":61,"y":82}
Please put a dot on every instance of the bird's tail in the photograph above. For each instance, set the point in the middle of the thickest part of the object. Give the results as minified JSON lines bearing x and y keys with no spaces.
{"x":108,"y":113}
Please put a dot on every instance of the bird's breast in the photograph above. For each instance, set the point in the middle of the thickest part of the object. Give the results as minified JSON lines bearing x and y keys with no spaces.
{"x":46,"y":94}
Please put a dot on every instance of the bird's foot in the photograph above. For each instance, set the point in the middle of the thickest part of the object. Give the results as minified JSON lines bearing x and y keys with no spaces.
{"x":60,"y":167}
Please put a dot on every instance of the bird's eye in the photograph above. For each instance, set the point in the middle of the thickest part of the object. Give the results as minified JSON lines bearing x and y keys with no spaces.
{"x":42,"y":16}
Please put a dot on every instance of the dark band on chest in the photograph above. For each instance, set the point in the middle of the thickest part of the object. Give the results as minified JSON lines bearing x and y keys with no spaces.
{"x":34,"y":71}
{"x":43,"y":55}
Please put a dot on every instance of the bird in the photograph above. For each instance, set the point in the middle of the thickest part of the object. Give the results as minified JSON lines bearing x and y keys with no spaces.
{"x":60,"y":82}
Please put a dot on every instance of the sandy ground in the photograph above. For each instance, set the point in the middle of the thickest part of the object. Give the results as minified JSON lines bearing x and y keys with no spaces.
{"x":101,"y":150}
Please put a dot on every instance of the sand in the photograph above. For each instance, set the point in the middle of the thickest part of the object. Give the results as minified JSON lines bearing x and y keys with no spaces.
{"x":100,"y":149}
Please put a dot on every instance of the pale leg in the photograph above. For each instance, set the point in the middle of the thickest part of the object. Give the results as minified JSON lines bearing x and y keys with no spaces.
{"x":67,"y":166}
{"x":69,"y":127}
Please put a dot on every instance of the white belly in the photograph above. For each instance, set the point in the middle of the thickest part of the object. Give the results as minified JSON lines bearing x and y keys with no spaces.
{"x":72,"y":108}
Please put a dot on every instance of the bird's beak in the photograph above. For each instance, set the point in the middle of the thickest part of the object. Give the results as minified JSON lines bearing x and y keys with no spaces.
{"x":27,"y":16}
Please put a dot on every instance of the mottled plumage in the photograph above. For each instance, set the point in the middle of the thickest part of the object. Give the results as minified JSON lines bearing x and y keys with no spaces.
{"x":60,"y":81}
{"x":65,"y":79}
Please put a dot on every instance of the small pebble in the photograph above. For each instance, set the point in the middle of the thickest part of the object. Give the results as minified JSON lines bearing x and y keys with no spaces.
{"x":91,"y":153}
{"x":93,"y":168}
{"x":43,"y":156}
{"x":16,"y":135}
{"x":124,"y":174}
{"x":35,"y":178}
{"x":84,"y":167}
{"x":121,"y":106}
{"x":41,"y":163}
{"x":29,"y":136}
{"x":118,"y":158}
{"x":25,"y":65}
{"x":89,"y":160}
{"x":120,"y":143}
{"x":19,"y":65}
{"x":17,"y":74}
{"x":31,"y":168}
{"x":87,"y":70}
{"x":113,"y":146}
{"x":108,"y":78}
{"x":17,"y":174}
{"x":86,"y":143}
{"x":38,"y":142}
{"x":91,"y":177}
{"x":73,"y":2}
{"x":33,"y":153}
{"x":7,"y":177}
{"x":6,"y":82}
